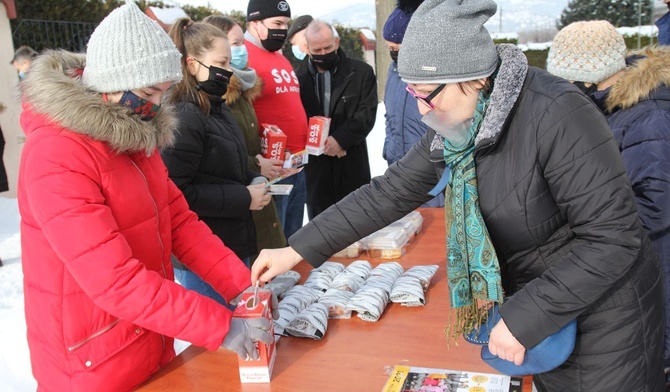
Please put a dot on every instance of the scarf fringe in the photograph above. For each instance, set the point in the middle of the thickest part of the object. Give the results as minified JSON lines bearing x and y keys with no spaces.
{"x":466,"y":319}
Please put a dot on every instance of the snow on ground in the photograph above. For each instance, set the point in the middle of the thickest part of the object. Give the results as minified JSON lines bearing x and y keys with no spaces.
{"x":15,"y":373}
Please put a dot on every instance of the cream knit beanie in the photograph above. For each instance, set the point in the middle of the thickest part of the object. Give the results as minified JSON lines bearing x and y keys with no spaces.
{"x":128,"y":51}
{"x":587,"y":52}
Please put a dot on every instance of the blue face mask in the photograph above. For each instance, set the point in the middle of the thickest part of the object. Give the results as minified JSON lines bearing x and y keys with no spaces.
{"x":240,"y":56}
{"x":22,"y":75}
{"x":297,"y":53}
{"x":139,"y":106}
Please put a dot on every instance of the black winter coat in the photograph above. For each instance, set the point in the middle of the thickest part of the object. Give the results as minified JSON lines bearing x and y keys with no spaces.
{"x":561,"y":213}
{"x":4,"y":184}
{"x":353,"y":108}
{"x":208,"y":162}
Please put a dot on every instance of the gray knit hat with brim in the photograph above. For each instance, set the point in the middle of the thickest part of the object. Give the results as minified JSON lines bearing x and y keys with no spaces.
{"x":128,"y":51}
{"x":446,"y":42}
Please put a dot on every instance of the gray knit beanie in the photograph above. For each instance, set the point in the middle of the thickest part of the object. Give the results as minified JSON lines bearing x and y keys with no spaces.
{"x":128,"y":51}
{"x":446,"y":42}
{"x":587,"y":52}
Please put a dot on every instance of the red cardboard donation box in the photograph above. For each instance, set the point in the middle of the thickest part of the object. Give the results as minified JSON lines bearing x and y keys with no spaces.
{"x":273,"y":142}
{"x":260,"y":370}
{"x":319,"y":127}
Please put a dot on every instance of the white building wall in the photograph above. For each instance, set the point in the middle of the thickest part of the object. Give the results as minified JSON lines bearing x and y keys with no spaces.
{"x":9,"y":97}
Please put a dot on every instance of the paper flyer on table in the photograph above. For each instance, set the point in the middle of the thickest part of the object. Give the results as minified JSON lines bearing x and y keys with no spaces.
{"x":418,"y":379}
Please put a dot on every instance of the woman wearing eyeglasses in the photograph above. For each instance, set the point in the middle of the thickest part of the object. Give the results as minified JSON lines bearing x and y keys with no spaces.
{"x":537,"y":204}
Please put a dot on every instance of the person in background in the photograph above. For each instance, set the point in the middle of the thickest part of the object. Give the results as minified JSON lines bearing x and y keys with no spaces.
{"x":22,"y":59}
{"x":537,"y":203}
{"x":279,"y":103}
{"x":4,"y":183}
{"x":404,"y":127}
{"x":345,"y":90}
{"x":100,"y":218}
{"x":296,"y":37}
{"x":636,"y":102}
{"x":243,"y":89}
{"x":208,"y":160}
{"x":663,"y":25}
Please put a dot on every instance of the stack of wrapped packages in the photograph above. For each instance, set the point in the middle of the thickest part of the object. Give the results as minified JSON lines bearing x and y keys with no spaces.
{"x":336,"y":291}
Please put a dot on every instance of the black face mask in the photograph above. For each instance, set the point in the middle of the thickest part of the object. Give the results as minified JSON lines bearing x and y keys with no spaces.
{"x":394,"y":55}
{"x":275,"y":40}
{"x":325,"y":61}
{"x":587,"y":90}
{"x":217,"y":83}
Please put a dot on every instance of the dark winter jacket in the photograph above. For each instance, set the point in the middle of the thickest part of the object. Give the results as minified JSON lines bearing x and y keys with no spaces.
{"x":403,"y":120}
{"x":663,"y":25}
{"x":638,"y":110}
{"x":353,"y":107}
{"x":269,"y":231}
{"x":208,"y":162}
{"x":4,"y":183}
{"x":560,"y":211}
{"x":403,"y":123}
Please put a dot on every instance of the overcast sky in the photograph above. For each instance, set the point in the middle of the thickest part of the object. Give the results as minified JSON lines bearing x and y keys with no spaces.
{"x":298,"y":7}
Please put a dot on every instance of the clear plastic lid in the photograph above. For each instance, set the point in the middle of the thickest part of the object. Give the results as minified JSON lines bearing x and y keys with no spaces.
{"x":415,"y":218}
{"x":387,"y":239}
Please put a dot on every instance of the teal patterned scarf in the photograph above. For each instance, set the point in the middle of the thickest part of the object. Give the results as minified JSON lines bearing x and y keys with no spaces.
{"x":472,"y":264}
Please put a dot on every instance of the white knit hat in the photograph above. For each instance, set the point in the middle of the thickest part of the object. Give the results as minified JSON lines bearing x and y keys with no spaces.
{"x":587,"y":52}
{"x":128,"y":51}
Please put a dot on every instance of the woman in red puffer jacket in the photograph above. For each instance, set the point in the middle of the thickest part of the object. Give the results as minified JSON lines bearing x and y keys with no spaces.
{"x":100,"y":217}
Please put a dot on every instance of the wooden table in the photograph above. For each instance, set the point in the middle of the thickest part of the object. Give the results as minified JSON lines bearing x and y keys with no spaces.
{"x":354,"y":355}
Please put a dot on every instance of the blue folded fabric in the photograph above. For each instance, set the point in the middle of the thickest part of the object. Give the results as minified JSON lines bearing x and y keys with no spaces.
{"x":547,"y":355}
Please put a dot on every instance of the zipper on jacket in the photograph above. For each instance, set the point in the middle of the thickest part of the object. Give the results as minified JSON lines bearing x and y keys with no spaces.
{"x":158,"y":219}
{"x":94,"y":335}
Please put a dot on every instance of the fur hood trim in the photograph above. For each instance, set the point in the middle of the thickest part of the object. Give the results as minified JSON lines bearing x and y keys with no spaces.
{"x":235,"y":90}
{"x":641,"y":79}
{"x":507,"y":84}
{"x":52,"y":88}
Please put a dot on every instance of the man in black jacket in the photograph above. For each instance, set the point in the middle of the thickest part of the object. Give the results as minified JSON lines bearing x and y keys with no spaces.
{"x":344,"y":89}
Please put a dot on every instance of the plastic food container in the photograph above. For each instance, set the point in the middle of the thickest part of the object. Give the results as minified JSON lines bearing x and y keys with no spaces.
{"x":352,"y":251}
{"x":415,"y":218}
{"x":387,"y":244}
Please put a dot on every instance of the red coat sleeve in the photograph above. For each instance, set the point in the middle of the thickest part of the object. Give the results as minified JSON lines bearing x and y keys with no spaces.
{"x":63,"y":193}
{"x":203,"y":252}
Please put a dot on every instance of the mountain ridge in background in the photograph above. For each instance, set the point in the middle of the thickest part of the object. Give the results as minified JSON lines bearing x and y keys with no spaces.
{"x":517,"y":15}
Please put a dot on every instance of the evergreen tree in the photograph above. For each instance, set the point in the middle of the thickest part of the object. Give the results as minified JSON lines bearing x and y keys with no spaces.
{"x":350,"y":41}
{"x":621,"y":13}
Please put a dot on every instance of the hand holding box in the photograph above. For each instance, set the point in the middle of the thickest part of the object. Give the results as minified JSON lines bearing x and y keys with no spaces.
{"x":319,"y":128}
{"x":273,"y":142}
{"x":251,"y":307}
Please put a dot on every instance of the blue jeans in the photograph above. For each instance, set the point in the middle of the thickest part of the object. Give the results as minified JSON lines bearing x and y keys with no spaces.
{"x":291,"y":208}
{"x":193,"y":282}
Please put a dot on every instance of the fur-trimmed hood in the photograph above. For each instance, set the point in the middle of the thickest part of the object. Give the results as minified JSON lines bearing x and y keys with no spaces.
{"x":640,"y":79}
{"x":235,"y":90}
{"x":52,"y":88}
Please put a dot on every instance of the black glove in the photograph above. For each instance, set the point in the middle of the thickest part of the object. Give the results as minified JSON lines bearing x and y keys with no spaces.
{"x":243,"y":333}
